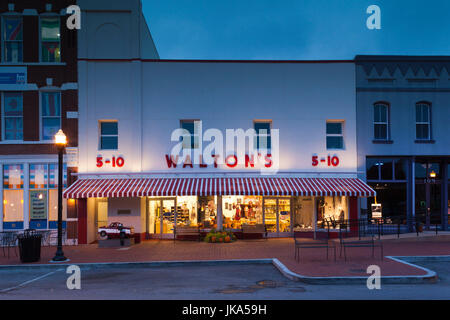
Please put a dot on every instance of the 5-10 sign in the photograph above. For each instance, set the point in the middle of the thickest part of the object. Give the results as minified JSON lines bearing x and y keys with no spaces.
{"x":113,"y":162}
{"x":330,"y":161}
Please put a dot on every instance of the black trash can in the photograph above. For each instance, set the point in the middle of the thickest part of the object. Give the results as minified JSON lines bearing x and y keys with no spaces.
{"x":30,"y":246}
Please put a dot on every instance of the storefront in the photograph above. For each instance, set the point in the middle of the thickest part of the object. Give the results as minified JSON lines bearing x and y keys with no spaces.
{"x":156,"y":206}
{"x":29,"y":195}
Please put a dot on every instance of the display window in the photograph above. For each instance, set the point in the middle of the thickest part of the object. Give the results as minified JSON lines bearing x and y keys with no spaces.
{"x":13,"y":196}
{"x":303,"y":213}
{"x":239,"y":210}
{"x":331,"y":211}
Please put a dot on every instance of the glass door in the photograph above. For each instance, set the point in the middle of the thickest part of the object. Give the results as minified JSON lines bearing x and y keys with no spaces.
{"x":168,"y":218}
{"x":277,"y":216}
{"x":270,"y":216}
{"x":284,"y":217}
{"x":161,"y":218}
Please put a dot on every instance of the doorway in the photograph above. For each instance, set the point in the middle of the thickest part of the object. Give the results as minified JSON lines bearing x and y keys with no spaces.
{"x":161,"y":218}
{"x":277,"y":217}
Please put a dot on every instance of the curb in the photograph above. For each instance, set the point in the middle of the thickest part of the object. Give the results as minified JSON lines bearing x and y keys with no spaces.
{"x":429,"y":277}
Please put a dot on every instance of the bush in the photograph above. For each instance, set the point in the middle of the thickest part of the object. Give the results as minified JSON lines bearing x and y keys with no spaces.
{"x":219,"y":237}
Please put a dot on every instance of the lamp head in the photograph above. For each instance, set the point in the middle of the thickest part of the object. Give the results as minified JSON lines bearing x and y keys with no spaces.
{"x":432,"y":174}
{"x":60,"y":138}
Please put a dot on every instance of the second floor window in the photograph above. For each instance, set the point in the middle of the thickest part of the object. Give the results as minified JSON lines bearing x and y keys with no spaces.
{"x":263,"y":138}
{"x":13,"y":116}
{"x":335,"y":135}
{"x":12,"y":39}
{"x":191,"y":141}
{"x":50,"y":40}
{"x":51,"y":114}
{"x":109,"y":135}
{"x":381,"y":121}
{"x":423,"y":121}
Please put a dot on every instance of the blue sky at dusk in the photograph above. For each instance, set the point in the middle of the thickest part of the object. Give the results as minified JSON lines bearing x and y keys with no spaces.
{"x":296,"y":29}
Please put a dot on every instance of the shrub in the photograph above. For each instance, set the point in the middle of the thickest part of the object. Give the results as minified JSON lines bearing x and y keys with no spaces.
{"x":221,"y":237}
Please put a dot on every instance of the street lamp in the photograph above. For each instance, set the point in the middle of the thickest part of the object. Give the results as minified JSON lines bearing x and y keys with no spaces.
{"x":60,"y":142}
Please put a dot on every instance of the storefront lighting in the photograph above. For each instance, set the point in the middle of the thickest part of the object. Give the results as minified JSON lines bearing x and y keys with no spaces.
{"x":60,"y":138}
{"x":5,"y":201}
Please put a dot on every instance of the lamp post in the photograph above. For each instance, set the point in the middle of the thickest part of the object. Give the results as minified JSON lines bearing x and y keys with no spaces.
{"x":60,"y":141}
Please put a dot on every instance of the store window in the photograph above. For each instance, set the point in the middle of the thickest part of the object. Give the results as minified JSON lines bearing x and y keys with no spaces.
{"x":239,"y":210}
{"x":50,"y":39}
{"x":331,"y":212}
{"x":51,"y":114}
{"x":303,"y":213}
{"x":423,"y":121}
{"x":192,"y":139}
{"x":13,"y":196}
{"x":109,"y":135}
{"x":335,"y":136}
{"x":13,"y":116}
{"x":38,"y":196}
{"x":263,"y":138}
{"x":381,"y":121}
{"x":53,"y":195}
{"x":386,"y":169}
{"x":12,"y":39}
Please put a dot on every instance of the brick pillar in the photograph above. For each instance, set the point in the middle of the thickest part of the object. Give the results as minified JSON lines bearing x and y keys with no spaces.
{"x":353,"y":214}
{"x":82,"y":221}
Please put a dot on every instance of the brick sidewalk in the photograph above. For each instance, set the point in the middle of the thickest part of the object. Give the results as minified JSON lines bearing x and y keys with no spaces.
{"x":313,"y":262}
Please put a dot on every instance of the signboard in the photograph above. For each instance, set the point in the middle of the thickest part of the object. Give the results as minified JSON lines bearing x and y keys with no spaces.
{"x":13,"y":75}
{"x":38,"y":204}
{"x":376,"y":210}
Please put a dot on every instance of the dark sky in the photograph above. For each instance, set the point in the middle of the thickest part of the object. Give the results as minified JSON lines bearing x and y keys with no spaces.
{"x":296,"y":29}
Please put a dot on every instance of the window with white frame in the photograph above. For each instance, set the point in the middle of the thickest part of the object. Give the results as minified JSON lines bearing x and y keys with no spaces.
{"x":12,"y":116}
{"x":381,"y":121}
{"x":335,"y":135}
{"x":191,"y":141}
{"x":109,"y":135}
{"x":263,"y":137}
{"x":51,"y":114}
{"x":50,"y":39}
{"x":12,"y":36}
{"x":423,"y":121}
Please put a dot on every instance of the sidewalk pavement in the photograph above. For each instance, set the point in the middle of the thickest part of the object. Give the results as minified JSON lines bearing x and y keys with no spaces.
{"x":313,"y":262}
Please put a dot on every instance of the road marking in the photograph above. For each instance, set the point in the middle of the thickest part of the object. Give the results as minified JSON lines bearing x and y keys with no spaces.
{"x":29,"y":281}
{"x":121,"y":249}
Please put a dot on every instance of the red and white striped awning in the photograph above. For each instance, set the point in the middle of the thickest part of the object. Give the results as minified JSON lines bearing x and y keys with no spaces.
{"x":140,"y":187}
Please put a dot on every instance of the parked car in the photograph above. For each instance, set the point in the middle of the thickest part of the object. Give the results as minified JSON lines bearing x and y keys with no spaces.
{"x":113,"y":231}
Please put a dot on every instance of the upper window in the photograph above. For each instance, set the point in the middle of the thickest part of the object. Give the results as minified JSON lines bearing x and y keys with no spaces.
{"x":423,"y":121}
{"x":13,"y":116}
{"x":50,"y":39}
{"x":109,"y":135}
{"x":263,"y":137}
{"x":12,"y":39}
{"x":191,"y":141}
{"x":335,"y":135}
{"x":51,"y":114}
{"x":381,"y":121}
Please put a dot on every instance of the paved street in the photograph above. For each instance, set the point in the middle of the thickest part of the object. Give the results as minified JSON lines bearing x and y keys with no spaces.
{"x":234,"y":282}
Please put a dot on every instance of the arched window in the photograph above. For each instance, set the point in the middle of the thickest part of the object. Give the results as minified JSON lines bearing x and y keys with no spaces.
{"x":423,"y":121}
{"x":381,"y":121}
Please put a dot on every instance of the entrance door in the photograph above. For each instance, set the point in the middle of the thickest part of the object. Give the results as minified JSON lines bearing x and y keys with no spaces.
{"x":161,"y":218}
{"x":277,"y":217}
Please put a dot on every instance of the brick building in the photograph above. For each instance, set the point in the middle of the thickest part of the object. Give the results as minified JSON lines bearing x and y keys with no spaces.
{"x":38,"y":96}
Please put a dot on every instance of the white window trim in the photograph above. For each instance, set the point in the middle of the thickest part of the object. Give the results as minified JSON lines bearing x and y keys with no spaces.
{"x":41,"y":123}
{"x":49,"y":15}
{"x":3,"y":133}
{"x":381,"y":122}
{"x":268,"y":135}
{"x":342,"y":122}
{"x":100,"y":135}
{"x":193,"y":135}
{"x":427,"y":123}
